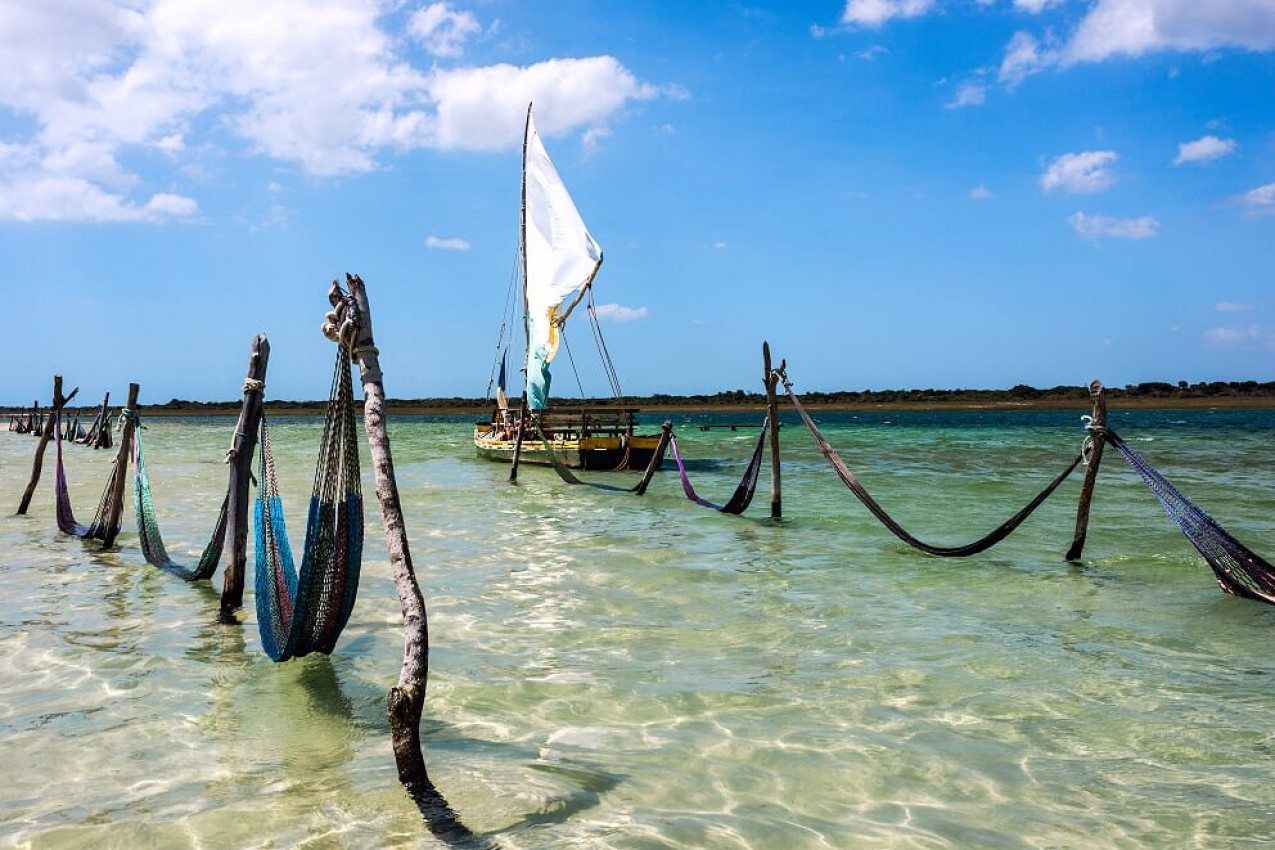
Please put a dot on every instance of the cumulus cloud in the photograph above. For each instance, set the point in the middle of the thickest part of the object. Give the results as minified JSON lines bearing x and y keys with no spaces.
{"x":1260,"y":200}
{"x":968,"y":94}
{"x":1205,"y":149}
{"x":1080,"y":173}
{"x":1136,"y":27}
{"x":441,"y":29}
{"x":1103,"y":227}
{"x":438,"y":243}
{"x":875,"y":13}
{"x":321,"y":84}
{"x":620,"y":313}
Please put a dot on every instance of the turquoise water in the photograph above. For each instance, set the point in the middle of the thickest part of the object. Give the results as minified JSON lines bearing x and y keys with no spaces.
{"x":616,"y":672}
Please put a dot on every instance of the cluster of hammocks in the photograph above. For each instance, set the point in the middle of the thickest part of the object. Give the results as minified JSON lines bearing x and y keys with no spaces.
{"x":299,"y":611}
{"x":1239,"y":571}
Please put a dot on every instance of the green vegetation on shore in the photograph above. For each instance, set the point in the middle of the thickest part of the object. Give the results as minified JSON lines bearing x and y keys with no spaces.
{"x":1149,"y":394}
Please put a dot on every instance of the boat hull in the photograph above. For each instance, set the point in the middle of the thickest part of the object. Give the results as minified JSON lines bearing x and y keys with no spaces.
{"x":588,"y":453}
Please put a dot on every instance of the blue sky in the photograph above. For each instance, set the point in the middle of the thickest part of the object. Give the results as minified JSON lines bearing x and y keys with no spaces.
{"x":894,"y":193}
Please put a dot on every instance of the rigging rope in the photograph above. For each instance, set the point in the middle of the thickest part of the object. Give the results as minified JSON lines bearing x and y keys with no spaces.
{"x":848,"y":478}
{"x":148,"y":534}
{"x":303,"y":612}
{"x":744,"y":491}
{"x":98,"y":528}
{"x":1239,"y":571}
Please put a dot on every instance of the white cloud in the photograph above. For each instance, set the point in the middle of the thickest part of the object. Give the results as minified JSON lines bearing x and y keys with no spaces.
{"x":719,"y":245}
{"x":620,"y":313}
{"x":870,"y":53}
{"x":1232,"y":307}
{"x":1083,"y":173}
{"x":981,"y":193}
{"x":1104,"y":227}
{"x":1023,"y":57}
{"x":1204,"y":150}
{"x":1135,"y":27}
{"x":441,"y":29}
{"x":1035,"y":7}
{"x":875,"y":13}
{"x":1260,"y":200}
{"x":1245,"y":336}
{"x":968,"y":94}
{"x":317,"y":83}
{"x":437,"y":243}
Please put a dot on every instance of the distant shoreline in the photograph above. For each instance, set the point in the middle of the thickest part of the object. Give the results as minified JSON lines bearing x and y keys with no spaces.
{"x":434,"y":408}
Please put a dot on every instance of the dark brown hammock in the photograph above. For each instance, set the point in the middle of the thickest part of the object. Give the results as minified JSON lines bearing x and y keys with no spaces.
{"x":744,"y":491}
{"x":998,"y":534}
{"x":1239,"y":570}
{"x":565,"y":473}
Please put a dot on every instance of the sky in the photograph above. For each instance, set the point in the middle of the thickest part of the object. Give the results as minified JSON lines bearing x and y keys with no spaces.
{"x":893,"y":193}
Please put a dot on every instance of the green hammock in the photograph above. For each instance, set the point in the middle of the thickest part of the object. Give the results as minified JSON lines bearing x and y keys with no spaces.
{"x":148,"y":535}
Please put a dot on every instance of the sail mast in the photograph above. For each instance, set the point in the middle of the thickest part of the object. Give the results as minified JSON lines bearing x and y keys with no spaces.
{"x":526,"y":327}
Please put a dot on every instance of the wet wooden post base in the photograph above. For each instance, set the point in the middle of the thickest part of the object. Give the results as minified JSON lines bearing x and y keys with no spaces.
{"x":242,"y":448}
{"x":405,"y":702}
{"x":1099,"y":395}
{"x":522,"y":420}
{"x":772,"y":413}
{"x":37,"y":465}
{"x":122,"y":459}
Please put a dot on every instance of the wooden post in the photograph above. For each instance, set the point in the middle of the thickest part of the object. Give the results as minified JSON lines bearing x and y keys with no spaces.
{"x":522,"y":421}
{"x":1099,"y":434}
{"x":657,"y":459}
{"x":122,"y":459}
{"x":99,"y":440}
{"x":772,"y":413}
{"x":38,"y":464}
{"x":406,"y":701}
{"x":242,"y":450}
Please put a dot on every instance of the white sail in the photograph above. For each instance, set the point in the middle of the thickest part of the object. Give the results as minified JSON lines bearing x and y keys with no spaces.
{"x":561,"y":259}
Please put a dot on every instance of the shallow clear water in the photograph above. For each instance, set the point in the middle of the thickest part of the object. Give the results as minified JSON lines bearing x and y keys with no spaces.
{"x":609,"y":671}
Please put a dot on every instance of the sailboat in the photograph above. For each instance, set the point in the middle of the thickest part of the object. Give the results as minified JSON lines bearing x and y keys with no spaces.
{"x":559,"y":260}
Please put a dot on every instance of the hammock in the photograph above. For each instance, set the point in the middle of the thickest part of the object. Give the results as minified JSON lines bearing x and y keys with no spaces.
{"x":152,"y":541}
{"x":657,"y":460}
{"x":67,"y":523}
{"x":998,"y":534}
{"x":300,"y":613}
{"x":743,"y":495}
{"x":1239,"y":571}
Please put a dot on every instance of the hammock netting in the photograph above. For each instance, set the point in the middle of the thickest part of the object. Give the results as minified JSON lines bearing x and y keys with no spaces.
{"x":744,"y":491}
{"x":148,"y":535}
{"x":299,"y":612}
{"x":1238,"y":569}
{"x":998,"y":534}
{"x":98,"y":528}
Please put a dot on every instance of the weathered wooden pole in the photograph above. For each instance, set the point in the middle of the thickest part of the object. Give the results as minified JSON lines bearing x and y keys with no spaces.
{"x":99,"y":426}
{"x":242,"y":450}
{"x":38,"y":464}
{"x":122,"y":459}
{"x":351,"y":319}
{"x":1098,"y":436}
{"x":772,"y":412}
{"x":522,"y":420}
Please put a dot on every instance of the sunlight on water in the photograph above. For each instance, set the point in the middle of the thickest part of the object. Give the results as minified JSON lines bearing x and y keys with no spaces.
{"x":609,"y":671}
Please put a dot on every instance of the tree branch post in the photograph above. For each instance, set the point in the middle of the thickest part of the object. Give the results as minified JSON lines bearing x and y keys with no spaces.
{"x":770,"y":379}
{"x":405,"y":702}
{"x":37,"y":465}
{"x":1098,"y":435}
{"x":240,"y":456}
{"x":122,"y":459}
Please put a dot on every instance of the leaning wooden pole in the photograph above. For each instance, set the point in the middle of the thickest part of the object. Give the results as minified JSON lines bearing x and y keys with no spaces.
{"x":122,"y":459}
{"x":522,"y":421}
{"x":37,"y":465}
{"x":1098,"y":435}
{"x":100,"y":435}
{"x":242,"y":448}
{"x":772,"y":413}
{"x":351,"y":320}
